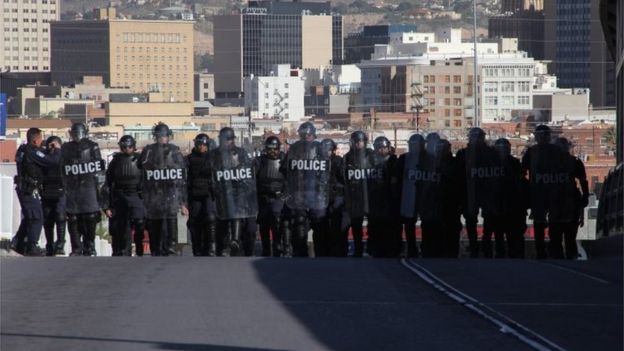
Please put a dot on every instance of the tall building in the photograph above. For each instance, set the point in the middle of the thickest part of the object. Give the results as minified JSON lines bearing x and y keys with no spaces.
{"x":360,"y":46}
{"x":612,"y":17}
{"x":526,"y":25}
{"x":515,"y":5}
{"x":576,"y":45}
{"x":25,"y":43}
{"x":267,"y":33}
{"x":145,"y":56}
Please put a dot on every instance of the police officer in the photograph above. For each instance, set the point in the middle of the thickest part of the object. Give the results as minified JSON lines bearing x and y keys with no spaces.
{"x":308,"y":173}
{"x":126,"y":210}
{"x":83,"y":175}
{"x":334,"y":223}
{"x":565,"y":219}
{"x":164,"y":192}
{"x":409,"y":170}
{"x":542,"y":164}
{"x":31,"y":160}
{"x":479,"y":164}
{"x":234,"y":181}
{"x":271,"y":191}
{"x":358,"y":163}
{"x":451,"y":202}
{"x":383,"y":201}
{"x":53,"y":202}
{"x":202,"y":221}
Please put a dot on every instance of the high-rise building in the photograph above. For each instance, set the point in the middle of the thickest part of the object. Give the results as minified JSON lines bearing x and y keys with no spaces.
{"x":360,"y":46}
{"x":267,"y":33}
{"x":516,"y":5}
{"x":145,"y":56}
{"x":25,"y":43}
{"x":526,"y":25}
{"x":575,"y":44}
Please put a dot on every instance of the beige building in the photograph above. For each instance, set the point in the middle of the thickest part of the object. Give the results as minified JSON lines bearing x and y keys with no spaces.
{"x":25,"y":43}
{"x":148,"y":113}
{"x":204,"y":86}
{"x":143,"y":56}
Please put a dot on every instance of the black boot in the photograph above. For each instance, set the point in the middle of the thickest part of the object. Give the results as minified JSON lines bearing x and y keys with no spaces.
{"x":211,"y":239}
{"x":74,"y":236}
{"x":235,"y":236}
{"x":59,"y":245}
{"x":139,"y":228}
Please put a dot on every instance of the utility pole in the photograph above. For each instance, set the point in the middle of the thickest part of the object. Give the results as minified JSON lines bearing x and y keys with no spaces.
{"x":475,"y":92}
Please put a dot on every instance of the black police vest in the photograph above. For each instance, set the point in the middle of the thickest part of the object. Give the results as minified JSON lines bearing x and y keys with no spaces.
{"x":199,"y":174}
{"x":270,"y":179}
{"x":52,"y":183}
{"x":126,"y":174}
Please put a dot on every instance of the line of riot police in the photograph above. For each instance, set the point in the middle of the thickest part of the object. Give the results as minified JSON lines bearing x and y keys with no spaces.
{"x":228,"y":195}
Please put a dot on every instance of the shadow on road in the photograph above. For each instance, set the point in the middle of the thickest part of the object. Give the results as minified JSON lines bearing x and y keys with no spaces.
{"x":155,"y":344}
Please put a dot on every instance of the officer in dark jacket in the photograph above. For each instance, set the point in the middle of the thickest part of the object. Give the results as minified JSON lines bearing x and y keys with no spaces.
{"x":337,"y":243}
{"x":31,"y":160}
{"x":357,"y":168}
{"x":271,"y":185}
{"x":202,"y":220}
{"x":83,"y":176}
{"x":164,"y":191}
{"x":125,"y":210}
{"x":566,"y":218}
{"x":53,"y":201}
{"x":543,"y":165}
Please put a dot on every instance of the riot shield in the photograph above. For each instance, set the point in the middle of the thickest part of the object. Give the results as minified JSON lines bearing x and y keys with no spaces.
{"x":381,"y":190}
{"x":234,"y":180}
{"x":308,"y":173}
{"x":164,"y":175}
{"x":483,"y":172}
{"x":358,"y":166}
{"x":83,"y":172}
{"x":410,"y":164}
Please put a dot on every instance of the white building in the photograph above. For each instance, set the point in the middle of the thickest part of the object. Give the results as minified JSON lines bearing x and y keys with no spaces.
{"x":446,"y":42}
{"x":279,"y":96}
{"x":25,"y":39}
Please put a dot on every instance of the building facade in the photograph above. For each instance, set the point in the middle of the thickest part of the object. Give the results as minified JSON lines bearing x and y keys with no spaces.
{"x":526,"y":25}
{"x":141,"y":55}
{"x":577,"y":47}
{"x":267,"y":33}
{"x":25,"y":44}
{"x":360,"y":46}
{"x":204,"y":86}
{"x":279,"y":96}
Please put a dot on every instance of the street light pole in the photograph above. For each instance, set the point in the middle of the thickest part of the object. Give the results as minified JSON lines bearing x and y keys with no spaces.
{"x":475,"y":92}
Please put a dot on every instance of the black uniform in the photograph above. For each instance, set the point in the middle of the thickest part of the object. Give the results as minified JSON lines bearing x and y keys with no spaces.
{"x":357,"y":171}
{"x":382,"y":208}
{"x":202,"y":209}
{"x":124,"y":181}
{"x":564,"y":219}
{"x":31,"y":161}
{"x":234,"y":181}
{"x":271,"y":183}
{"x":54,"y":214}
{"x":83,"y":175}
{"x":543,"y":162}
{"x":164,"y":192}
{"x":481,"y":170}
{"x":308,"y":173}
{"x":335,"y":241}
{"x":409,"y":176}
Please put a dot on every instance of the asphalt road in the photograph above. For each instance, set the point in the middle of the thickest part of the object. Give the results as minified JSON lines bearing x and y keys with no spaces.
{"x":186,"y":303}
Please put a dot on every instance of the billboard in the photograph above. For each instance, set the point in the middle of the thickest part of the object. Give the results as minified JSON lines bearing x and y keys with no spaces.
{"x":3,"y":115}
